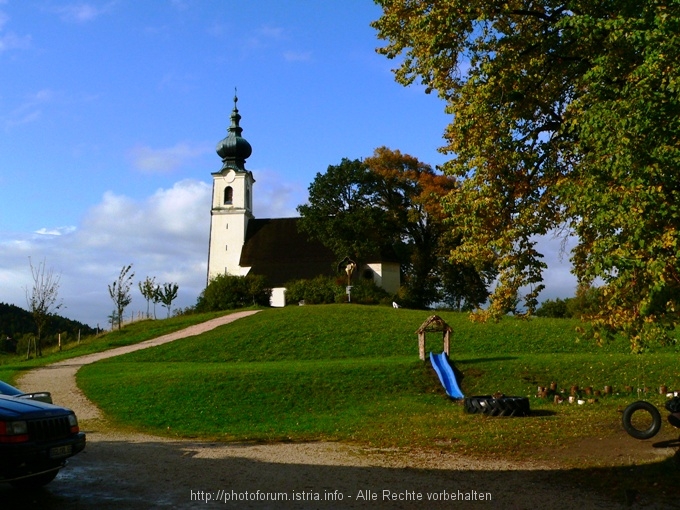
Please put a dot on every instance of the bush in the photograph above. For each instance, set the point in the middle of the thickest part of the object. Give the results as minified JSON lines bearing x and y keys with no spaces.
{"x":588,"y":301}
{"x":318,"y":291}
{"x":226,"y":292}
{"x":554,"y":309}
{"x":325,"y":290}
{"x":366,"y":292}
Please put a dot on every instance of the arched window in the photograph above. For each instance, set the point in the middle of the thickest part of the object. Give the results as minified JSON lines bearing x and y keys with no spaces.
{"x":247,"y":199}
{"x":228,"y":195}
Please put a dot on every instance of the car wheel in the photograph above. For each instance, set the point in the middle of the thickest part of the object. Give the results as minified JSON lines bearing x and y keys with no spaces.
{"x":35,"y":481}
{"x":635,"y":427}
{"x":497,"y":406}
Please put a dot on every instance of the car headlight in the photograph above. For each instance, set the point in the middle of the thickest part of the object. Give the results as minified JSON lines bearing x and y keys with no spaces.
{"x":73,"y":423}
{"x":13,"y":431}
{"x":19,"y":427}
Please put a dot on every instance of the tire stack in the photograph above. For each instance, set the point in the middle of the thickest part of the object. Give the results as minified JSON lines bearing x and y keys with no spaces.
{"x":492,"y":405}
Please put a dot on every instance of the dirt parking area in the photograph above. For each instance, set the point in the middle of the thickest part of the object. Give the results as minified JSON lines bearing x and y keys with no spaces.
{"x":128,"y":470}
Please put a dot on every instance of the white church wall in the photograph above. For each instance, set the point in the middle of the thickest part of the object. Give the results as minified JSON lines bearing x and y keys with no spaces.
{"x":226,"y":241}
{"x":386,"y":275}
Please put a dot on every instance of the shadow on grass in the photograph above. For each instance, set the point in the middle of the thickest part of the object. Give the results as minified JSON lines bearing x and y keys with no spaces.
{"x":158,"y":474}
{"x":672,"y":443}
{"x":483,"y":360}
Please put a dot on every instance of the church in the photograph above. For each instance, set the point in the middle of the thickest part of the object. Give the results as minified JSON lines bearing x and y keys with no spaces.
{"x":240,"y":244}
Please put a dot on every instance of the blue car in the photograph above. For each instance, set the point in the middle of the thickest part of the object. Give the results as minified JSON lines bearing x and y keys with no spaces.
{"x":36,"y":437}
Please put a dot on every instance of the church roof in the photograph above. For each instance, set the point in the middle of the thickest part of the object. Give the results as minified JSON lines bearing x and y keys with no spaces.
{"x":276,"y":249}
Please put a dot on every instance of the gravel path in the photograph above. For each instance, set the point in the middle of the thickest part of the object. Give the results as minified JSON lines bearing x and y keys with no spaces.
{"x":123,"y":469}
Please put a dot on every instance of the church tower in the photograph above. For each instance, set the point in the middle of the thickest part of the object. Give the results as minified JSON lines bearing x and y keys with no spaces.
{"x":232,"y":200}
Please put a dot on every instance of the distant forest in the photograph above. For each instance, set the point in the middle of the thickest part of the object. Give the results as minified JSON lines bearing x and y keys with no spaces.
{"x":17,"y":324}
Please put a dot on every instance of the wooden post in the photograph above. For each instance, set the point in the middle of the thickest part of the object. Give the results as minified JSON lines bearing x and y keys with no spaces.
{"x":421,"y":345}
{"x":446,"y":342}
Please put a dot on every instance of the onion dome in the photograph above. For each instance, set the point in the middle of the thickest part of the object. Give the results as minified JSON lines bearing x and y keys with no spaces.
{"x":234,"y":149}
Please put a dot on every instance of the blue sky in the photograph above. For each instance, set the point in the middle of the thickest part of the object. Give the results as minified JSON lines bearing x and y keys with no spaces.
{"x":110,"y":112}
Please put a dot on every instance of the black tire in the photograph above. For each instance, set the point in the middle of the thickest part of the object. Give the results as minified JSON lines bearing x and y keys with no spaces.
{"x":36,"y":481}
{"x":646,"y":407}
{"x":500,"y":406}
{"x":673,"y":405}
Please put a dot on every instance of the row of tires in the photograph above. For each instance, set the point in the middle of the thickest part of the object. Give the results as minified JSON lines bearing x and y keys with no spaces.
{"x":519,"y":406}
{"x":497,"y":406}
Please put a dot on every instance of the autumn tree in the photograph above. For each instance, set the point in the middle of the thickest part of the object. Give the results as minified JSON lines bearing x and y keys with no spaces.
{"x":409,"y":193}
{"x":564,"y":116}
{"x":396,"y":205}
{"x":119,"y":291}
{"x":43,"y":299}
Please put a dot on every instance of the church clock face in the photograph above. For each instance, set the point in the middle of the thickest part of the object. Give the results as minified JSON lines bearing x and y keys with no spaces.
{"x":231,"y":175}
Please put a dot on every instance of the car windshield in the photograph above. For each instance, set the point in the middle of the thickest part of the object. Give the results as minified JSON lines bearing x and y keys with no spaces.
{"x":6,"y":389}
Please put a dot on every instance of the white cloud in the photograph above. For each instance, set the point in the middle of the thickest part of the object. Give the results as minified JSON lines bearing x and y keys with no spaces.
{"x":181,"y":5}
{"x":558,"y":280}
{"x":270,"y":32}
{"x":30,"y":110}
{"x":276,"y":197}
{"x":297,"y":56}
{"x":82,"y":12}
{"x":217,"y":29}
{"x":10,"y":40}
{"x":264,"y":37}
{"x":56,"y":231}
{"x":165,"y":160}
{"x":171,"y":221}
{"x":165,"y":235}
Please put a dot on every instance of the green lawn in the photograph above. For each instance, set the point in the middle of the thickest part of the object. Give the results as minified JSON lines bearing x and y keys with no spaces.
{"x":352,"y":373}
{"x":11,"y":366}
{"x":348,"y":372}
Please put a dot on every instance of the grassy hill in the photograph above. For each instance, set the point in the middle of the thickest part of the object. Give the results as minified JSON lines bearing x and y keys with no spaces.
{"x":12,"y":364}
{"x":349,"y":372}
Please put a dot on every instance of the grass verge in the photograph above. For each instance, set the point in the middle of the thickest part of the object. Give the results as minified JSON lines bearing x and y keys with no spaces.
{"x":11,"y":365}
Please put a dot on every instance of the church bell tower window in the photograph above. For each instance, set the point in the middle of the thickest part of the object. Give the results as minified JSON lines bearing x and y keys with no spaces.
{"x":228,"y":195}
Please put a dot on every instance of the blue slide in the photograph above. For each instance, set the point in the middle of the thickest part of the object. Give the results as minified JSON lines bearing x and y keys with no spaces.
{"x":444,"y":370}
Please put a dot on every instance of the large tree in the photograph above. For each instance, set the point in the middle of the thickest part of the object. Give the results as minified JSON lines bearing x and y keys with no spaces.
{"x":340,"y":211}
{"x":409,"y":192}
{"x":564,"y":115}
{"x":395,"y":204}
